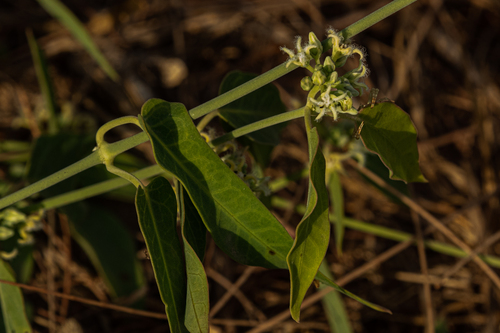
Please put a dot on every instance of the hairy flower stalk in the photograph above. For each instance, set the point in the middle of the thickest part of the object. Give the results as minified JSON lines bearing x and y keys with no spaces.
{"x":329,"y":93}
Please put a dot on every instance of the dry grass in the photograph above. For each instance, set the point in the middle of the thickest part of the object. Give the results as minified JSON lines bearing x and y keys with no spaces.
{"x":438,"y":60}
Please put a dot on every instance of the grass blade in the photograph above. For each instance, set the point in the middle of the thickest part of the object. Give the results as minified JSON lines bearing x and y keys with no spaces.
{"x":44,"y":81}
{"x":334,"y":306}
{"x":61,"y":13}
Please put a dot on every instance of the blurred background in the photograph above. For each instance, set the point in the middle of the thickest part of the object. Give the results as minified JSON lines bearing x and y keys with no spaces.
{"x":438,"y":60}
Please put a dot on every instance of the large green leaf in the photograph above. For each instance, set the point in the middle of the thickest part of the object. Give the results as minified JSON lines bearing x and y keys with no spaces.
{"x":60,"y":12}
{"x":11,"y":303}
{"x":239,"y":223}
{"x":337,"y":197}
{"x":313,"y":232}
{"x":389,"y":132}
{"x":260,"y":104}
{"x":194,"y":235}
{"x":157,"y":212}
{"x":105,"y":240}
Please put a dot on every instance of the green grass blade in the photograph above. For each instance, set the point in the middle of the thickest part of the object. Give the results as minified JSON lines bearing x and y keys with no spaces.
{"x":324,"y":279}
{"x":194,"y":236}
{"x":334,"y":306}
{"x":157,"y":212}
{"x":239,"y":223}
{"x":313,"y":232}
{"x":12,"y":303}
{"x":337,"y":197}
{"x":61,"y":13}
{"x":44,"y":81}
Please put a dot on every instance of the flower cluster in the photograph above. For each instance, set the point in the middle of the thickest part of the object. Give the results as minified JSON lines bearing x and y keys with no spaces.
{"x":329,"y":93}
{"x":15,"y":223}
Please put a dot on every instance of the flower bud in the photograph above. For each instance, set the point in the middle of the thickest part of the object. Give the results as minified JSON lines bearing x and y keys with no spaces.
{"x":318,"y":77}
{"x":306,"y":83}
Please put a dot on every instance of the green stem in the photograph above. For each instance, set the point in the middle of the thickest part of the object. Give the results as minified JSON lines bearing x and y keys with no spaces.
{"x":281,"y":70}
{"x":93,"y":190}
{"x":84,"y":164}
{"x":375,"y":17}
{"x":75,"y":168}
{"x":203,"y":109}
{"x":280,"y":118}
{"x":207,"y":119}
{"x":307,"y":120}
{"x":391,"y":234}
{"x":107,"y":157}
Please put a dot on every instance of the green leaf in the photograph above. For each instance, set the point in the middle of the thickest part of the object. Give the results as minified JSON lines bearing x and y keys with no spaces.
{"x":313,"y":232}
{"x":108,"y":245}
{"x":157,"y":212}
{"x":44,"y":81}
{"x":12,"y":303}
{"x":389,"y":132}
{"x":105,"y":240}
{"x":61,"y":13}
{"x":334,"y":306}
{"x":239,"y":223}
{"x":337,"y":198}
{"x":260,"y":104}
{"x":193,"y":234}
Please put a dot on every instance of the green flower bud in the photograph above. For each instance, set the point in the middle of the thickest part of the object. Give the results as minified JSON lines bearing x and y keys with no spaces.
{"x":306,"y":83}
{"x":315,"y":48}
{"x":329,"y":65}
{"x":318,"y":77}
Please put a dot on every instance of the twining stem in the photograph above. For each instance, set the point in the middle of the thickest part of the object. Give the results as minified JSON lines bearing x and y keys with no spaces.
{"x":75,"y":168}
{"x":107,"y":156}
{"x":201,"y":110}
{"x":281,"y":70}
{"x":93,"y":190}
{"x":280,"y":118}
{"x":307,"y":120}
{"x":207,"y":119}
{"x":387,"y":233}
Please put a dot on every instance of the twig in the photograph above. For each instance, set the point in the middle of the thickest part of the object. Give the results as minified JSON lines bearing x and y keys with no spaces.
{"x":51,"y":270}
{"x":87,"y":301}
{"x":250,"y":308}
{"x":429,"y":313}
{"x":67,"y":281}
{"x":231,"y":291}
{"x":341,"y":282}
{"x":429,"y":217}
{"x":490,"y":241}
